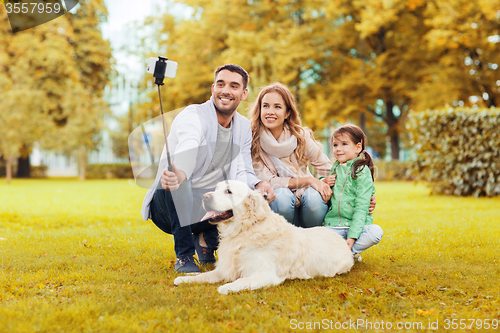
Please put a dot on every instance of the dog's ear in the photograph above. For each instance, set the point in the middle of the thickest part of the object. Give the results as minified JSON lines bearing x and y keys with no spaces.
{"x":253,"y":209}
{"x":261,"y":208}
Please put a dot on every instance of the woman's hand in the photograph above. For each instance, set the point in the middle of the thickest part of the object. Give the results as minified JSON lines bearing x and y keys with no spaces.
{"x":330,"y":180}
{"x":373,"y":203}
{"x":321,"y":187}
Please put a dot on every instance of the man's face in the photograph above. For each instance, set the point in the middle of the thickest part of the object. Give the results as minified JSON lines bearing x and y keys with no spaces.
{"x":228,"y":91}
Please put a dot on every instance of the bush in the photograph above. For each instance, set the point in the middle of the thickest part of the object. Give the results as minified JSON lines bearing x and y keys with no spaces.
{"x":393,"y":170}
{"x":103,"y":171}
{"x":39,"y":171}
{"x":457,"y":150}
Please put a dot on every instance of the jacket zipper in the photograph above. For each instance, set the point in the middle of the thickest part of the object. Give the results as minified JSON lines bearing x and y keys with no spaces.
{"x":340,"y":198}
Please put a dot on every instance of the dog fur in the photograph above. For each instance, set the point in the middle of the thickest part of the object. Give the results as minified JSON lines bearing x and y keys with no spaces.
{"x":259,"y":248}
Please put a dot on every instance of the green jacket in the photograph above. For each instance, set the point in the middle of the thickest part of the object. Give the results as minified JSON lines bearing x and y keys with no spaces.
{"x":351,"y":199}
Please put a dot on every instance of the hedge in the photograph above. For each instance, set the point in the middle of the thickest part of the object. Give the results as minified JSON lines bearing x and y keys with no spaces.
{"x":103,"y":171}
{"x":392,"y":171}
{"x":457,"y":150}
{"x":35,"y":171}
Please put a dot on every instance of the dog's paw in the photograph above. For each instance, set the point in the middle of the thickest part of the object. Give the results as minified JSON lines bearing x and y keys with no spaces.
{"x":181,"y":279}
{"x":224,"y":289}
{"x":230,"y":288}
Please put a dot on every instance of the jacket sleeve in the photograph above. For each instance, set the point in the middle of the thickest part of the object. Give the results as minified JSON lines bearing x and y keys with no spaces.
{"x":245,"y":171}
{"x":187,"y":138}
{"x":363,"y":193}
{"x":314,"y":153}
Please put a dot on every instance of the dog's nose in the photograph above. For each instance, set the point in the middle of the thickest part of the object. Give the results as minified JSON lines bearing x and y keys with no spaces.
{"x":207,"y":196}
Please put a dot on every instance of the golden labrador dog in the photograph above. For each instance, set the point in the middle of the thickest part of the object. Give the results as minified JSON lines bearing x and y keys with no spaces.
{"x":259,"y":248}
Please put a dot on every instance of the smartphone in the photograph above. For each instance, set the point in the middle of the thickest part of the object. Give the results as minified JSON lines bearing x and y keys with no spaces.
{"x":170,"y":70}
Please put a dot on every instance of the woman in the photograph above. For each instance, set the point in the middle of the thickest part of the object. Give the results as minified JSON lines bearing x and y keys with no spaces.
{"x":281,"y":151}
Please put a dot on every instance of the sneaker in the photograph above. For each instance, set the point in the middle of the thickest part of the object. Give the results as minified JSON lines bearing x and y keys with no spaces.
{"x":186,"y":265}
{"x":357,"y":257}
{"x":205,"y":254}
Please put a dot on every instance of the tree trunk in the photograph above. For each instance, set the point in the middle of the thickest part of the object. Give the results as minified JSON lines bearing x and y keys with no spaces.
{"x":393,"y":132}
{"x":394,"y":145}
{"x":23,"y":167}
{"x":362,"y":121}
{"x":82,"y":162}
{"x":8,"y":169}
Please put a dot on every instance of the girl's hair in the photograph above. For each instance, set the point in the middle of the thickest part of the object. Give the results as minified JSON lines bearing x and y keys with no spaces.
{"x":356,"y":135}
{"x":292,"y":122}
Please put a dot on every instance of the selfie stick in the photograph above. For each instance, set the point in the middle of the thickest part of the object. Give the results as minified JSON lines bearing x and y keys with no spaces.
{"x":159,"y":75}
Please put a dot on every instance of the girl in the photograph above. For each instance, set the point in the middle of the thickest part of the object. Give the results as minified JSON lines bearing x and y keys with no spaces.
{"x":281,"y":150}
{"x":353,"y":187}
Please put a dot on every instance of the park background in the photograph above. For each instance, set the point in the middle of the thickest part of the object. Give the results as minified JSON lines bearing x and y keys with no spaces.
{"x":421,"y":77}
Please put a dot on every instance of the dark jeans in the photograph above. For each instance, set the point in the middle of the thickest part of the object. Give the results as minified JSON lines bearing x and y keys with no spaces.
{"x":181,"y":218}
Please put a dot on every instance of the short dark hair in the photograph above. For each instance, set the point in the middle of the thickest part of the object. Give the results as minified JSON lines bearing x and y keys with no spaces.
{"x":235,"y":69}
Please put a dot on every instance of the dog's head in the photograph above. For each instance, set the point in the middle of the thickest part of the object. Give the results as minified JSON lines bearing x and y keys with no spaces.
{"x":234,"y":200}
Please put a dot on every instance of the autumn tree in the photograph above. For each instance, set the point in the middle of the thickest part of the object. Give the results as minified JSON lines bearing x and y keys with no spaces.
{"x":51,"y":78}
{"x":369,"y":61}
{"x":92,"y":55}
{"x":339,"y":58}
{"x":463,"y":43}
{"x":38,"y":77}
{"x":265,"y":37}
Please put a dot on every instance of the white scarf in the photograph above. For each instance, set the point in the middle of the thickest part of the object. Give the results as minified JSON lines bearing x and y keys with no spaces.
{"x":276,"y":150}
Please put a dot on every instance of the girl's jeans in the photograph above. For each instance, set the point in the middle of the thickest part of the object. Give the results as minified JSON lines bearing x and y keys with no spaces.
{"x":371,"y":235}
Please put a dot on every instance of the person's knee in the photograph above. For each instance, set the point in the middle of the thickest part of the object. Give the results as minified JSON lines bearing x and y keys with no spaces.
{"x":376,"y":233}
{"x":311,"y":196}
{"x":313,"y":208}
{"x":285,"y":199}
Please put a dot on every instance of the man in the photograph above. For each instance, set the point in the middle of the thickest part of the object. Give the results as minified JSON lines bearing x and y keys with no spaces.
{"x":209,"y":142}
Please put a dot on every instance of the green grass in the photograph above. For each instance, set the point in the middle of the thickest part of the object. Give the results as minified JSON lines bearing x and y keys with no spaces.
{"x":77,"y":257}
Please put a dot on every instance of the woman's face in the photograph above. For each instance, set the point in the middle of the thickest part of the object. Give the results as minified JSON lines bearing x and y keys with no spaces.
{"x":273,"y":113}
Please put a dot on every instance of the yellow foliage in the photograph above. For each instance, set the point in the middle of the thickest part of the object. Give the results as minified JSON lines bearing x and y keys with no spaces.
{"x":52,"y":81}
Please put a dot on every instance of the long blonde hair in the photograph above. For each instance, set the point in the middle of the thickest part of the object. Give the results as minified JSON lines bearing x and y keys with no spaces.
{"x":292,"y":122}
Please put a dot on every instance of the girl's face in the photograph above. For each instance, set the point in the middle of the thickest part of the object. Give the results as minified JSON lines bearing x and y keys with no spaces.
{"x":344,"y":149}
{"x":273,"y":113}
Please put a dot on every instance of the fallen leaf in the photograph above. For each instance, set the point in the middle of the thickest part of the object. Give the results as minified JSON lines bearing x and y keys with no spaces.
{"x":343,"y":296}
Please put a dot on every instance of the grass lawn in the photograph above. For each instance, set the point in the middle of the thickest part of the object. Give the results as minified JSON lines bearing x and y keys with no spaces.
{"x":77,"y":257}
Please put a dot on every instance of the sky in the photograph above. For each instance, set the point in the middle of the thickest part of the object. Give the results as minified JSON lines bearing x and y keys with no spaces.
{"x":119,"y":28}
{"x":121,"y":15}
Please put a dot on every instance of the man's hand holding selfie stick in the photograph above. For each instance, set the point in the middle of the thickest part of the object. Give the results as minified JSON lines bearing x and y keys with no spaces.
{"x":171,"y":180}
